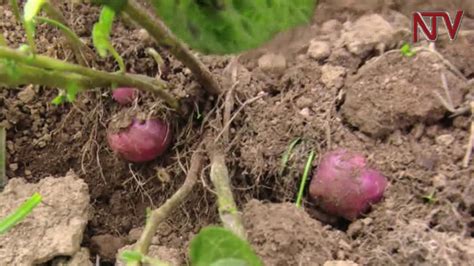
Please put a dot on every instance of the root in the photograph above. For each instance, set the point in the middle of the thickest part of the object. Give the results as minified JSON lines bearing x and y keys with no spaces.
{"x":157,"y":216}
{"x":467,"y":156}
{"x":249,"y":101}
{"x":447,"y":102}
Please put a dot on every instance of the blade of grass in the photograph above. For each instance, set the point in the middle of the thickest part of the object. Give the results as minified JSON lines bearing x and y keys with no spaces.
{"x":307,"y":168}
{"x":26,"y":208}
{"x":287,"y":154}
{"x":3,"y":155}
{"x":16,"y":10}
{"x":3,"y":41}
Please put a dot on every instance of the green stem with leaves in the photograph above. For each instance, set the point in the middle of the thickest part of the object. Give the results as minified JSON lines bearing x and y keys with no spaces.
{"x":94,"y":78}
{"x":163,"y":36}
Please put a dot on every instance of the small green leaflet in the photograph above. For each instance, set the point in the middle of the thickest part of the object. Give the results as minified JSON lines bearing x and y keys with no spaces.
{"x":68,"y":95}
{"x":26,"y":208}
{"x":101,"y":31}
{"x":229,"y":26}
{"x":131,"y":256}
{"x":407,"y":51}
{"x":101,"y":36}
{"x":218,"y":246}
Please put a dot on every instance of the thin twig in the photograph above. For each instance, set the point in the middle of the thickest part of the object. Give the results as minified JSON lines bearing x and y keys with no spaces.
{"x":446,"y":89}
{"x":444,"y":60}
{"x":163,"y":36}
{"x":157,"y":216}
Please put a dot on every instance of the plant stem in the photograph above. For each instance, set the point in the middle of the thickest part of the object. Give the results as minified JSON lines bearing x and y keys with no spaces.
{"x":157,"y":216}
{"x":97,"y":78}
{"x":3,"y":157}
{"x":228,"y":212}
{"x":58,"y":20}
{"x":163,"y":36}
{"x":56,"y":79}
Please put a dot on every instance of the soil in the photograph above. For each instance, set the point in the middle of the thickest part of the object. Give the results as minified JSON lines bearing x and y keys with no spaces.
{"x":361,"y":96}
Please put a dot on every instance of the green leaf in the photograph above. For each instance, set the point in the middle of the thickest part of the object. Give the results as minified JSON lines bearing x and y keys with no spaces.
{"x":101,"y":36}
{"x":229,"y":26}
{"x":101,"y":31}
{"x":130,"y":256}
{"x":60,"y":99}
{"x":229,"y":262}
{"x":71,"y":92}
{"x":32,"y":8}
{"x":30,"y":11}
{"x":214,"y":244}
{"x":406,"y":50}
{"x":20,"y":213}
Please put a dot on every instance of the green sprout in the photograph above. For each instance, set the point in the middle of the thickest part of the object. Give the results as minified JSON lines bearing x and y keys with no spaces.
{"x":407,"y":51}
{"x":430,"y":198}
{"x":287,"y":154}
{"x":19,"y":214}
{"x":307,"y":168}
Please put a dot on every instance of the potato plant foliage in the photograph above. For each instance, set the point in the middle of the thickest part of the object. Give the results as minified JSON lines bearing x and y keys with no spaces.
{"x":231,"y":26}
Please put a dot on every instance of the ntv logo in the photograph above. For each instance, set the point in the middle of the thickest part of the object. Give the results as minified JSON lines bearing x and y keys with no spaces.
{"x":432,"y":35}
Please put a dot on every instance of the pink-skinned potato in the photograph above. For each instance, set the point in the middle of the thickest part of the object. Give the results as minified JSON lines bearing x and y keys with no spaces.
{"x":124,"y":95}
{"x":141,"y":141}
{"x":343,"y":184}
